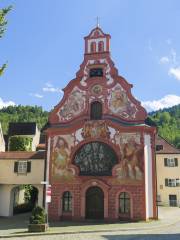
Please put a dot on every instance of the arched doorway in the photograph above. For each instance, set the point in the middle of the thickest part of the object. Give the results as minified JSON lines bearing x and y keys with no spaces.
{"x":94,"y":203}
{"x":23,"y":199}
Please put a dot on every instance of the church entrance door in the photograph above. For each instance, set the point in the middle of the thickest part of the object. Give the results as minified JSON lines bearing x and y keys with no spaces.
{"x":94,"y":203}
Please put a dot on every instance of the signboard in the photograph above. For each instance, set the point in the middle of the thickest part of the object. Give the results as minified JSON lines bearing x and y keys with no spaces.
{"x":48,"y":194}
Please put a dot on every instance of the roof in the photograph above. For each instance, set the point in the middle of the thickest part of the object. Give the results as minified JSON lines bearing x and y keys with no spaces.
{"x":22,"y":128}
{"x":22,"y":155}
{"x":41,"y":146}
{"x":167,"y":147}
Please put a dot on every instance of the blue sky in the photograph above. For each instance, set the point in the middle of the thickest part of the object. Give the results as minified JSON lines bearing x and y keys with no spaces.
{"x":44,"y":47}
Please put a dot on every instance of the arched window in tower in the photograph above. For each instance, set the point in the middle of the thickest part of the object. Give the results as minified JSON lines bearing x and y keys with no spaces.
{"x":93,"y":47}
{"x":101,"y":46}
{"x":96,"y":111}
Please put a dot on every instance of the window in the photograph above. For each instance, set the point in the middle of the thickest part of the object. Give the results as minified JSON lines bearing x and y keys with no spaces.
{"x":95,"y":159}
{"x":159,"y":147}
{"x":158,"y":198}
{"x":96,"y":111}
{"x":22,"y":167}
{"x":93,"y":47}
{"x":170,"y":162}
{"x":67,"y":202}
{"x":124,"y":203}
{"x":172,"y":182}
{"x":101,"y":46}
{"x":96,"y":72}
{"x":173,"y":200}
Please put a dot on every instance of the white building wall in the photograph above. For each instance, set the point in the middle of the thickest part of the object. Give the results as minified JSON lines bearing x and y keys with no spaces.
{"x":2,"y":142}
{"x":5,"y":195}
{"x":148,"y":176}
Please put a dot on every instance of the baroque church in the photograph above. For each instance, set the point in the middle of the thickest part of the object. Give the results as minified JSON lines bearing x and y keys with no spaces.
{"x":100,"y":152}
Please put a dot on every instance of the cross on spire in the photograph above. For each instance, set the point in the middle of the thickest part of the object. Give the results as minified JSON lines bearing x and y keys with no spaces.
{"x":97,"y":21}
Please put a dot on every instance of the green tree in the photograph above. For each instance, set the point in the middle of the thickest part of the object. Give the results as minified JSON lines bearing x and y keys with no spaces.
{"x":3,"y":23}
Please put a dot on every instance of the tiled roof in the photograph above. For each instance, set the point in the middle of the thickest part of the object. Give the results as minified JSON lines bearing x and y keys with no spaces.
{"x":28,"y":128}
{"x":167,"y":147}
{"x":41,"y":146}
{"x":22,"y":155}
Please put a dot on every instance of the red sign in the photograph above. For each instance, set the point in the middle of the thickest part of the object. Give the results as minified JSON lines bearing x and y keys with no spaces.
{"x":48,"y":194}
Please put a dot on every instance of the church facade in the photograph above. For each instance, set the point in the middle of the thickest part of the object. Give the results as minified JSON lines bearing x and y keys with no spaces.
{"x":100,"y":152}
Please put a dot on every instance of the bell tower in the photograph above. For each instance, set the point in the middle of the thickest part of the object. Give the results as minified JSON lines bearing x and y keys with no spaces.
{"x":97,"y":42}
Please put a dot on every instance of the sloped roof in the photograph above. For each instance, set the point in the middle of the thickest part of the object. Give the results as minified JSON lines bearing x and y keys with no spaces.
{"x":167,"y":147}
{"x":21,"y":128}
{"x":22,"y":155}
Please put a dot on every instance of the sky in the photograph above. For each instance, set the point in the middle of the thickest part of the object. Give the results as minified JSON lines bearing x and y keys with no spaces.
{"x":44,"y":47}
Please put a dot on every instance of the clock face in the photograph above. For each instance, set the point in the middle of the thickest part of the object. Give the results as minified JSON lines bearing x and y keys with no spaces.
{"x":96,"y":89}
{"x":96,"y":72}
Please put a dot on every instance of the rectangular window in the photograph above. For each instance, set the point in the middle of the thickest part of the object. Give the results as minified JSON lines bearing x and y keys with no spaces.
{"x":172,"y":182}
{"x":158,"y":198}
{"x":22,"y":167}
{"x":159,"y":147}
{"x":173,"y":200}
{"x":170,"y":162}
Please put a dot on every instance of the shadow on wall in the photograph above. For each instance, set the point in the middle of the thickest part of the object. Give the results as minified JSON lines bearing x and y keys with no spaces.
{"x":143,"y":237}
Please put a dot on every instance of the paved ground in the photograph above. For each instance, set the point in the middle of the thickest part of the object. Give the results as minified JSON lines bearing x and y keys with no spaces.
{"x":167,"y":228}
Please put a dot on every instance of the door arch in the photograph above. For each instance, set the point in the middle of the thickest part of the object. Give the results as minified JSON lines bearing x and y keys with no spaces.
{"x":94,"y":203}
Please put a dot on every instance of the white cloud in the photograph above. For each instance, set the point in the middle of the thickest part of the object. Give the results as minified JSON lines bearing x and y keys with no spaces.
{"x":167,"y":101}
{"x":50,"y":88}
{"x":6,"y":104}
{"x":37,"y":95}
{"x":164,"y":60}
{"x":175,"y":72}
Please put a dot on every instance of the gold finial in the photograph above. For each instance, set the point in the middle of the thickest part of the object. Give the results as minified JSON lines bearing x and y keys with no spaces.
{"x":97,"y":21}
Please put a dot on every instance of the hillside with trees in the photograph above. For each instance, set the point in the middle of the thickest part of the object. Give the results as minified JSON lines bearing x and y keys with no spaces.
{"x":166,"y":120}
{"x":22,"y":114}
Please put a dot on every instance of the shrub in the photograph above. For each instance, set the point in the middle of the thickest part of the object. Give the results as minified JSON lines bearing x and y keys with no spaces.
{"x":38,"y":216}
{"x":20,"y":143}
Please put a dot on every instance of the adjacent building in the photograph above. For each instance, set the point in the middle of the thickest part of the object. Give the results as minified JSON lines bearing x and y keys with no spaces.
{"x":168,"y":173}
{"x":27,"y":129}
{"x":18,"y":168}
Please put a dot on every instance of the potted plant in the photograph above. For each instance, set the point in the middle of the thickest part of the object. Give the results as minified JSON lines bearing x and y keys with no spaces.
{"x":38,"y":220}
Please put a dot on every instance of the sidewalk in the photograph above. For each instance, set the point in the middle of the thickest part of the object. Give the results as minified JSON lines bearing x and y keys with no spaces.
{"x":17,"y":226}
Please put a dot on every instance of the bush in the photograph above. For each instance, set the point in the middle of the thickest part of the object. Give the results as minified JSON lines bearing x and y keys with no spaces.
{"x":38,"y":216}
{"x":19,"y":143}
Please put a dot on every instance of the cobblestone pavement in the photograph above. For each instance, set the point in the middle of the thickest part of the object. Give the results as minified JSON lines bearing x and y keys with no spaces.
{"x":160,"y":232}
{"x":168,"y":233}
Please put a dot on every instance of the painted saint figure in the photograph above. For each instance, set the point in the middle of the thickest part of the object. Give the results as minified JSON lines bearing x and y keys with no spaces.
{"x":61,"y":159}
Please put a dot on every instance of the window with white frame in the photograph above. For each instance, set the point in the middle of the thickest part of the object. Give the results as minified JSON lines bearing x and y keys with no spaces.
{"x":22,"y":167}
{"x":170,"y":162}
{"x":172,"y":182}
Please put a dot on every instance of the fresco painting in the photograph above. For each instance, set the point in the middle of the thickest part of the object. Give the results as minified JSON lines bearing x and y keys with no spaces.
{"x":120,"y":104}
{"x":74,"y":105}
{"x":61,"y":158}
{"x":96,"y":129}
{"x":132,"y":153}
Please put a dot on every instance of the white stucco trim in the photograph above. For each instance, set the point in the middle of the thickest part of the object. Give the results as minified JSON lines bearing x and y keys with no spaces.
{"x":148,"y":176}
